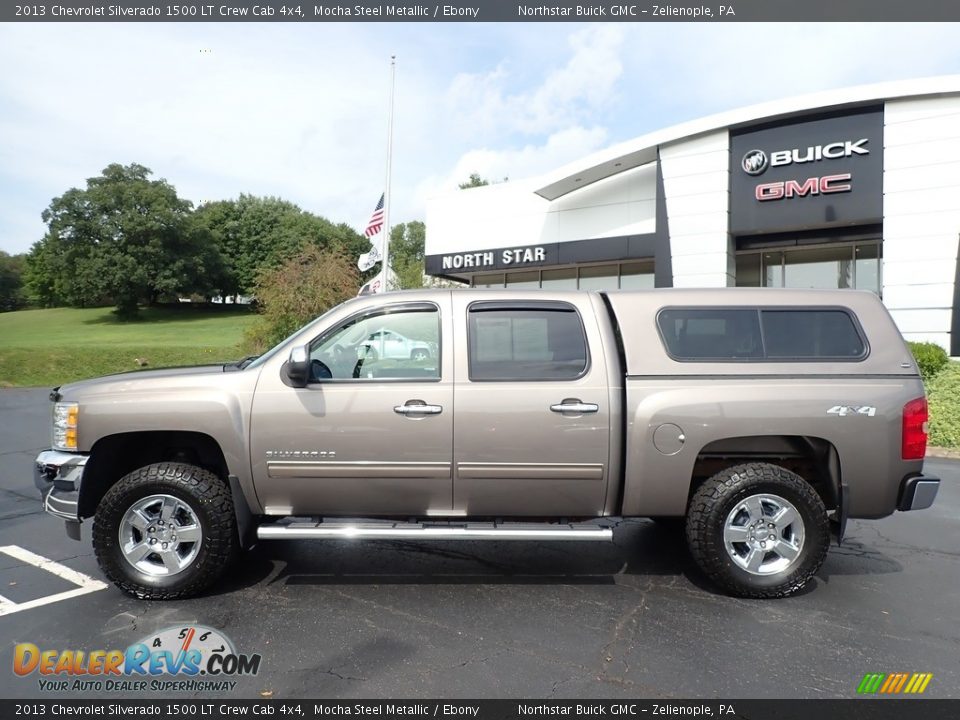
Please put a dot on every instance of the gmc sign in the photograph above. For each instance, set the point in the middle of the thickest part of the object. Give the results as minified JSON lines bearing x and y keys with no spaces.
{"x":810,"y":186}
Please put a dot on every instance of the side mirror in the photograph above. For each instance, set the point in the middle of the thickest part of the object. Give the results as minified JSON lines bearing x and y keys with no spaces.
{"x":298,"y":366}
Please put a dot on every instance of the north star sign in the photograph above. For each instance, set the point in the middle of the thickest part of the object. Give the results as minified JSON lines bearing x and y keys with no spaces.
{"x":487,"y":259}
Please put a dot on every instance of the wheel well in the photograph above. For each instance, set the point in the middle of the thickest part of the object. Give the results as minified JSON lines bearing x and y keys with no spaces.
{"x":114,"y":456}
{"x":812,"y":458}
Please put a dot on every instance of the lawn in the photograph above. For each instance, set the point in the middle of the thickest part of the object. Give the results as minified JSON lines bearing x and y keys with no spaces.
{"x":51,"y":347}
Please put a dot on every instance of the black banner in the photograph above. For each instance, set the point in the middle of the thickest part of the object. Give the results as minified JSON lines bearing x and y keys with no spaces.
{"x":807,"y":174}
{"x":481,"y":11}
{"x":209,"y":709}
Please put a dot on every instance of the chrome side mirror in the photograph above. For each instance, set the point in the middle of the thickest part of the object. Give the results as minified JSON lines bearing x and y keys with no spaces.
{"x":298,"y":366}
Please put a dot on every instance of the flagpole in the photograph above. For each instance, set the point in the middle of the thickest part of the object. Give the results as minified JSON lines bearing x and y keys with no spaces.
{"x":387,"y":198}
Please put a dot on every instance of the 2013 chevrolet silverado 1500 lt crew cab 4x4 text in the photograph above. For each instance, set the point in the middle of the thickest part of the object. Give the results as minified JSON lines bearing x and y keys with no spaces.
{"x":762,"y":417}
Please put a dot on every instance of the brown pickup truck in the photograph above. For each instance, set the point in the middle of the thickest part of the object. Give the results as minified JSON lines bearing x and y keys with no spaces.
{"x":762,"y":417}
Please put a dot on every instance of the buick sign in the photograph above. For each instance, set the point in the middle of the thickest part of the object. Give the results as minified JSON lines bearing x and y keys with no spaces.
{"x":754,"y":162}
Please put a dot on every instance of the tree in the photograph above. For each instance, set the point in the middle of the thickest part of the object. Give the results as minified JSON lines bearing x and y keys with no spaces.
{"x":300,"y":289}
{"x":406,"y":254}
{"x":474,"y":181}
{"x":253,"y":233}
{"x":126,"y":238}
{"x":12,"y":269}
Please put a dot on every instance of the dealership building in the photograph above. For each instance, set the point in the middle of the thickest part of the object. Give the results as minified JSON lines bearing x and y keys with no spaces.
{"x":855,"y":188}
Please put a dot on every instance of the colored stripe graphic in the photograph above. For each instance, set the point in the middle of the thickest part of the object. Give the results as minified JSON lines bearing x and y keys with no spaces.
{"x":870,"y":683}
{"x":894,"y":683}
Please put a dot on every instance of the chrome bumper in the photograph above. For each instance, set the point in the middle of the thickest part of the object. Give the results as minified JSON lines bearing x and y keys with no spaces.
{"x":57,"y":476}
{"x":918,"y":492}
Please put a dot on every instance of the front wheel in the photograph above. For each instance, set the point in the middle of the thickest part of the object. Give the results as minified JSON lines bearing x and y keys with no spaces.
{"x":165,"y":531}
{"x":758,"y":530}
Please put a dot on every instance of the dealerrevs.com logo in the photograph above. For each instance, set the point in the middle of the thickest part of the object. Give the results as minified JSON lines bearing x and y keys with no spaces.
{"x":185,"y":659}
{"x":755,"y":162}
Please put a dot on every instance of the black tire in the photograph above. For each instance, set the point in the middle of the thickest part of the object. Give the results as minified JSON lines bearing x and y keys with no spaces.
{"x":206,"y":495}
{"x":713,"y":502}
{"x":419,"y":354}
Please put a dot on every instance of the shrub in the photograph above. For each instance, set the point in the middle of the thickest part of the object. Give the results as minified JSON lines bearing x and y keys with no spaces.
{"x":943,"y":394}
{"x":930,"y":357}
{"x":303,"y":287}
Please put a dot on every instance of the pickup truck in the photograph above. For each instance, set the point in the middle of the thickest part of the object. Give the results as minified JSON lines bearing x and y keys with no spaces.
{"x":760,"y":419}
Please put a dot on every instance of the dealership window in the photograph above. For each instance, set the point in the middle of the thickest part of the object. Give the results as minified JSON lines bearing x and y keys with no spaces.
{"x":848,"y":265}
{"x":519,"y":280}
{"x":493,"y":280}
{"x":635,"y":275}
{"x":599,"y":277}
{"x":564,"y":279}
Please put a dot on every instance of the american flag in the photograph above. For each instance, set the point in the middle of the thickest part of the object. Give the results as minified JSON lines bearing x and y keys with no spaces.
{"x":376,"y":220}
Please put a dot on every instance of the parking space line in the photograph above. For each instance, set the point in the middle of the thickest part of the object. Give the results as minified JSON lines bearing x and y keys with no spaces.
{"x":86,"y":583}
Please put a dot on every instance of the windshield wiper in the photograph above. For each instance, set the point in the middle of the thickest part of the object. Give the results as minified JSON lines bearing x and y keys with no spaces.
{"x":239,"y":364}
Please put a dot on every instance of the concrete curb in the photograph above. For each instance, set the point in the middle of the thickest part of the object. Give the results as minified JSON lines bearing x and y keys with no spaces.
{"x":939,"y":452}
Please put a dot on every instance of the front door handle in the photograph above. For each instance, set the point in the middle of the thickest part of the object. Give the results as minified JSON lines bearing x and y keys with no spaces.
{"x":574,"y":405}
{"x":417,"y":407}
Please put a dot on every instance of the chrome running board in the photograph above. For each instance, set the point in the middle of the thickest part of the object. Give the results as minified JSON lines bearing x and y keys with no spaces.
{"x":373,"y":530}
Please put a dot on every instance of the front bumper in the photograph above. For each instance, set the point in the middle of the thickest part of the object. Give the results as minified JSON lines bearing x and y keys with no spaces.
{"x":918,"y":492}
{"x":57,"y":476}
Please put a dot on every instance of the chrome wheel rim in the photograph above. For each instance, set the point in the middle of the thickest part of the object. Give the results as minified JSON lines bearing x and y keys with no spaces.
{"x":763,"y":534}
{"x":160,"y":535}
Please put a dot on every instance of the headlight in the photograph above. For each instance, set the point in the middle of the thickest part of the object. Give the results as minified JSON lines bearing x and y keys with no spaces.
{"x":65,"y":416}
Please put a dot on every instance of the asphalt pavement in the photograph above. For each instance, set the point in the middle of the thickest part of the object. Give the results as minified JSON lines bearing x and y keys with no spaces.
{"x":385,"y":619}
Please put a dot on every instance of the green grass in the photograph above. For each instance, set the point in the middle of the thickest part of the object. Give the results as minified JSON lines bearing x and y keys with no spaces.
{"x":51,"y":347}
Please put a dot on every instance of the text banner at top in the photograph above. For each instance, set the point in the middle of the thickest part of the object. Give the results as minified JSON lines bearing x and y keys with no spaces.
{"x":485,"y":11}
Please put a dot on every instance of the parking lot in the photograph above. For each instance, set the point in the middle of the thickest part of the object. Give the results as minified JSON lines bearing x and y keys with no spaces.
{"x":501,"y":620}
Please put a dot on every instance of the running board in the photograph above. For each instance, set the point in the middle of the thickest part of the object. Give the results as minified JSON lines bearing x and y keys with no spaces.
{"x":432,"y":531}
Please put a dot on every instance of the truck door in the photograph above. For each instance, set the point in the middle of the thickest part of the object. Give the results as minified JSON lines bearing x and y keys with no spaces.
{"x":372,"y":433}
{"x":532,"y":434}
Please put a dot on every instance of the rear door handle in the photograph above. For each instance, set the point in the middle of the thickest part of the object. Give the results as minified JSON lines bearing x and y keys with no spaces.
{"x":574,"y":405}
{"x":417,"y":407}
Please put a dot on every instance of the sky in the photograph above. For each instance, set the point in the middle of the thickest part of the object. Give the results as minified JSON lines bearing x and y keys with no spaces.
{"x":300,"y":110}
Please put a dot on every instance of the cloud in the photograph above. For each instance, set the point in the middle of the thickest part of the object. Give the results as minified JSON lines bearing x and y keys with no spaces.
{"x":300,"y":110}
{"x":531,"y":159}
{"x":484,"y":103}
{"x":689,"y":70}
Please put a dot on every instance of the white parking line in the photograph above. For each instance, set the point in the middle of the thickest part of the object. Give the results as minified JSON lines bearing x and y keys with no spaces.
{"x":86,"y":583}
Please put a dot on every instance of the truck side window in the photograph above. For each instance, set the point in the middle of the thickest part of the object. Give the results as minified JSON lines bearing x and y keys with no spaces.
{"x":540,"y":342}
{"x":811,"y":334}
{"x":734,"y":334}
{"x":394,"y":345}
{"x":703,"y":333}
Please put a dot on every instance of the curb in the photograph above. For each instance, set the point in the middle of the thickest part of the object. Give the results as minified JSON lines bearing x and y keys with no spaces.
{"x":939,"y":452}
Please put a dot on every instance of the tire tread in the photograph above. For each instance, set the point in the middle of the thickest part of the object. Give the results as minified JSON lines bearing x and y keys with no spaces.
{"x":205,"y":489}
{"x":710,"y":553}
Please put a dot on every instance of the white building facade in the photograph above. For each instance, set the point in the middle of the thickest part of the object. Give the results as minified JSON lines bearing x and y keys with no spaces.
{"x":855,"y":188}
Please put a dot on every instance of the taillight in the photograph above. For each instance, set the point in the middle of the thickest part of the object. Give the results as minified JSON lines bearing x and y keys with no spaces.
{"x":915,"y":417}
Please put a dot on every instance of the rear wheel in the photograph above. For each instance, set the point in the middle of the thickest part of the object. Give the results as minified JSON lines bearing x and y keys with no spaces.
{"x":165,"y":531}
{"x":758,"y":530}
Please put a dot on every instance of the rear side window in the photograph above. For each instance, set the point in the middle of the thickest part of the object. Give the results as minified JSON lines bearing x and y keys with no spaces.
{"x":722,"y":334}
{"x":757,"y":334}
{"x":811,"y":334}
{"x":541,"y":341}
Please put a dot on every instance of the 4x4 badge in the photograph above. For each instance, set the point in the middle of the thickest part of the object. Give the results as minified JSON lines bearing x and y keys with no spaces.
{"x":844,"y":410}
